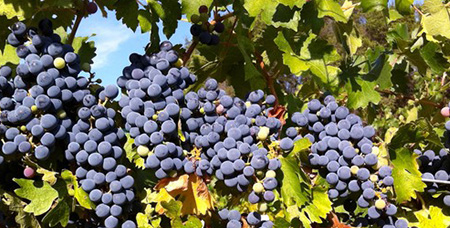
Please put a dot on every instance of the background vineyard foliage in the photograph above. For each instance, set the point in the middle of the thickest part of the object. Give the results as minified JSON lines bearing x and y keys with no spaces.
{"x":387,"y":63}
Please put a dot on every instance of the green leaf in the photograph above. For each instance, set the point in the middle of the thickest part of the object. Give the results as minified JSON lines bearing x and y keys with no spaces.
{"x":292,"y":3}
{"x":301,"y":148}
{"x":145,"y":20}
{"x":9,"y":55}
{"x":290,"y":59}
{"x":41,"y":197}
{"x":169,"y":12}
{"x":59,"y":214}
{"x":406,"y":174}
{"x":330,"y":8}
{"x":14,"y":204}
{"x":432,"y":218}
{"x":172,"y":209}
{"x":190,"y":7}
{"x":193,"y":222}
{"x":361,"y":93}
{"x":263,"y":8}
{"x":295,"y":188}
{"x":251,"y":73}
{"x":85,"y":49}
{"x":131,"y":153}
{"x":80,"y":195}
{"x":434,"y":59}
{"x":19,"y":10}
{"x":319,"y":207}
{"x":374,"y":5}
{"x":380,"y":71}
{"x":436,"y":21}
{"x":403,"y":6}
{"x":325,"y":73}
{"x":127,"y":11}
{"x":281,"y":223}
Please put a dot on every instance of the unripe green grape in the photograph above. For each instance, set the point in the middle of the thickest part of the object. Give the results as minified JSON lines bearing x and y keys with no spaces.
{"x":195,"y":18}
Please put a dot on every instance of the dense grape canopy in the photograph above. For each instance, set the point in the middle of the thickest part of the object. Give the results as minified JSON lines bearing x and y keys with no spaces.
{"x":310,"y":114}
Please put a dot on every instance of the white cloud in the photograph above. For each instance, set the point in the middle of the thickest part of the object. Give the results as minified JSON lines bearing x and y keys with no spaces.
{"x":108,"y":39}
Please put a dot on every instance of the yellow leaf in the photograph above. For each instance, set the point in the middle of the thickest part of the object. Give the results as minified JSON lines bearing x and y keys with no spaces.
{"x":48,"y":176}
{"x":191,"y":190}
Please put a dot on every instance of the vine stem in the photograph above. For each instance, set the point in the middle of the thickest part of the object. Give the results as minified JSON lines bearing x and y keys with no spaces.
{"x":75,"y":27}
{"x":188,"y":53}
{"x":417,"y":9}
{"x":268,"y":78}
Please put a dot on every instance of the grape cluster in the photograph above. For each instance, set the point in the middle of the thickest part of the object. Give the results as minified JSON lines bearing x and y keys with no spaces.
{"x":434,"y":169}
{"x":234,"y":219}
{"x":203,"y":29}
{"x":96,"y":145}
{"x":36,"y":103}
{"x":47,"y":104}
{"x":238,"y":139}
{"x":154,"y":85}
{"x":343,"y":152}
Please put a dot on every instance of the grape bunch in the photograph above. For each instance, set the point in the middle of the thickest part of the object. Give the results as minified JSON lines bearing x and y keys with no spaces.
{"x":36,"y":103}
{"x":344,"y":154}
{"x":96,"y":145}
{"x":434,"y":168}
{"x":238,"y":139}
{"x":47,"y":105}
{"x":234,"y":219}
{"x":154,"y":85}
{"x":206,"y":32}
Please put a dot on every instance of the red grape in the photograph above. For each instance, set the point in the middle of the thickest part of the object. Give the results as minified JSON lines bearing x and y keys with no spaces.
{"x":28,"y":172}
{"x":203,"y":9}
{"x":445,"y":111}
{"x":91,"y":8}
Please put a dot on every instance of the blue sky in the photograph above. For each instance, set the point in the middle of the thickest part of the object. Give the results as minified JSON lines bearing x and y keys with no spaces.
{"x":115,"y":42}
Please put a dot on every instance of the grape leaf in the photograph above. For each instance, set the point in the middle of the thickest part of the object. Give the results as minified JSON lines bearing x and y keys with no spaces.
{"x":145,"y":20}
{"x":431,"y":218}
{"x":437,"y":20}
{"x":19,"y":9}
{"x":127,"y":11}
{"x":296,"y":64}
{"x":403,"y":6}
{"x":131,"y":153}
{"x":361,"y":93}
{"x":59,"y":214}
{"x":318,"y":208}
{"x":8,"y":55}
{"x":41,"y":197}
{"x":374,"y":5}
{"x":406,"y":174}
{"x":169,"y":12}
{"x":292,"y":3}
{"x":48,"y":176}
{"x":73,"y":189}
{"x":15,"y":204}
{"x":301,"y":147}
{"x":434,"y":59}
{"x":85,"y":49}
{"x":330,"y":8}
{"x":295,"y":188}
{"x":263,"y":8}
{"x":191,"y":189}
{"x":251,"y":73}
